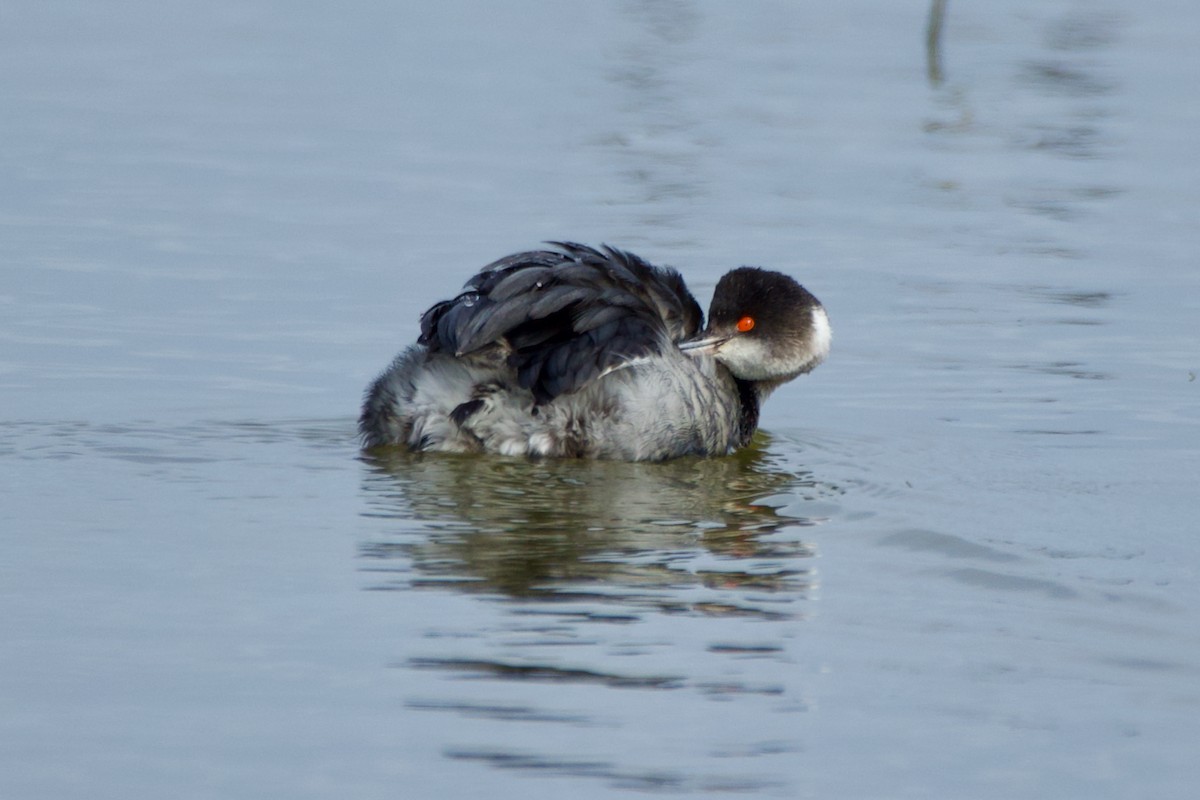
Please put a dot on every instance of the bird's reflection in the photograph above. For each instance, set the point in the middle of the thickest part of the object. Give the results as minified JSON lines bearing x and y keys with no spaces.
{"x":566,"y":528}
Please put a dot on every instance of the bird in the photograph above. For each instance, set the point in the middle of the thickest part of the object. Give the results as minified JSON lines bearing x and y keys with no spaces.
{"x":593,"y":352}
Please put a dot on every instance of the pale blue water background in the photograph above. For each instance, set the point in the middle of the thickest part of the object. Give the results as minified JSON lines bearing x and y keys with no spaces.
{"x":962,"y":561}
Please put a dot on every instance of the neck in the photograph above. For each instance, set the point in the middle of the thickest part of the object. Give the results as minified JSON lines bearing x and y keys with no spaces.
{"x":751,"y":400}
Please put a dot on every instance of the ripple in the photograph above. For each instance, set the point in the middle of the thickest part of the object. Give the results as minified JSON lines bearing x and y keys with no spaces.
{"x":503,"y":713}
{"x":945,"y":544}
{"x":644,"y":781}
{"x":481,"y":668}
{"x":986,"y":579}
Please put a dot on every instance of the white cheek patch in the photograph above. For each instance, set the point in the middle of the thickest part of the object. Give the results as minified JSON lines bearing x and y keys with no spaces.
{"x":748,"y":359}
{"x":822,"y":335}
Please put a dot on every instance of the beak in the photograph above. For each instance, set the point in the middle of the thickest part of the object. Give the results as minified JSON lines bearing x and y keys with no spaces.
{"x":703,"y":346}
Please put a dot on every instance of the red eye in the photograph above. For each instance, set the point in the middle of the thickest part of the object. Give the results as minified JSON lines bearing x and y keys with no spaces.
{"x":745,"y":324}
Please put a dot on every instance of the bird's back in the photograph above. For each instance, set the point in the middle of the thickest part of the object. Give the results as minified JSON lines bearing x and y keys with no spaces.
{"x":561,"y":318}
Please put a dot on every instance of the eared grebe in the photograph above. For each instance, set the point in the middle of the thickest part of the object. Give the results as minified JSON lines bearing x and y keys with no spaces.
{"x":595,"y":354}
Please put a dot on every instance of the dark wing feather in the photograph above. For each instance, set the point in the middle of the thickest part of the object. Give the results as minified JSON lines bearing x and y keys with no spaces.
{"x":565,"y":316}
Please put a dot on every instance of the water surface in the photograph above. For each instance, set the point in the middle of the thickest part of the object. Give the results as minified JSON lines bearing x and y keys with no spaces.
{"x":958,"y":560}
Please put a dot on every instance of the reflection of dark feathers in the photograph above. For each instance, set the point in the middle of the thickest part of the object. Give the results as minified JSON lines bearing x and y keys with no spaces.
{"x":565,"y":316}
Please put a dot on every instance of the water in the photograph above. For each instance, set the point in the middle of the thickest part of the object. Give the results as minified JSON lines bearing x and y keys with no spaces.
{"x":958,"y":561}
